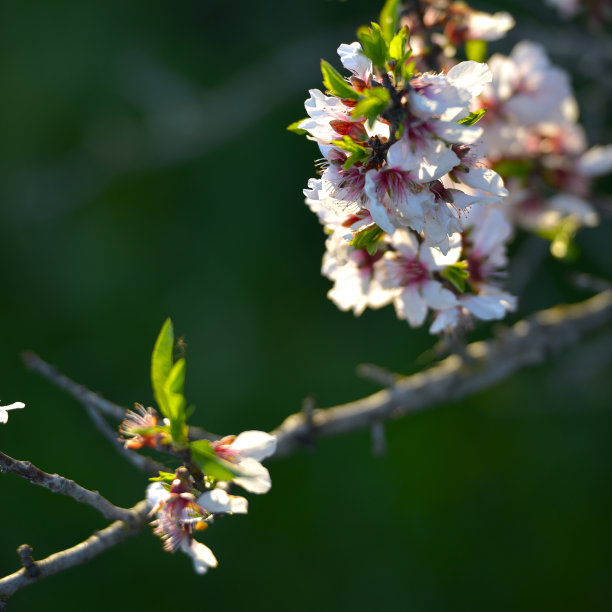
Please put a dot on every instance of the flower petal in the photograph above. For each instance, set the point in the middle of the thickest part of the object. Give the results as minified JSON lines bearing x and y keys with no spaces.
{"x":219,"y":501}
{"x":254,"y":477}
{"x":254,"y":444}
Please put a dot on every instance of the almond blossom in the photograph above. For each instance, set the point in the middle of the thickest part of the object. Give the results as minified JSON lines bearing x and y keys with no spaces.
{"x":245,"y":452}
{"x":410,"y":271}
{"x":179,"y":513}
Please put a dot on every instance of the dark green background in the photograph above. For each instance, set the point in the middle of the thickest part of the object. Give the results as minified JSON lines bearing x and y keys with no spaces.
{"x":146,"y":172}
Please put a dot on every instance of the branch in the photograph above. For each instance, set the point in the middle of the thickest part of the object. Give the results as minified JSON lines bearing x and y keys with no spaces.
{"x":528,"y":342}
{"x":79,"y":392}
{"x":65,"y":486}
{"x":100,"y":541}
{"x":90,"y":399}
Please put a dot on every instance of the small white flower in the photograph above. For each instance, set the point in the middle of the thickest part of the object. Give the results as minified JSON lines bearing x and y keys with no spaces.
{"x":245,"y":452}
{"x":4,"y":410}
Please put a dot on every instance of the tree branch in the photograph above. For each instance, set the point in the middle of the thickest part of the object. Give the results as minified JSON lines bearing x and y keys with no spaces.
{"x":65,"y":486}
{"x":97,"y":543}
{"x":89,"y":398}
{"x":528,"y":342}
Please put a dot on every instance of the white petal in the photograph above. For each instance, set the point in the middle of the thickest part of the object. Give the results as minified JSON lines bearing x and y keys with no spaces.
{"x":471,"y":76}
{"x":255,"y":478}
{"x":353,"y":59}
{"x":406,"y":243}
{"x":485,"y":307}
{"x":13,"y":406}
{"x":377,"y":209}
{"x":202,"y":556}
{"x":596,"y":161}
{"x":485,"y":179}
{"x":411,"y":306}
{"x":437,"y":297}
{"x":445,"y":319}
{"x":3,"y":416}
{"x":254,"y":444}
{"x":218,"y":501}
{"x":156,"y":493}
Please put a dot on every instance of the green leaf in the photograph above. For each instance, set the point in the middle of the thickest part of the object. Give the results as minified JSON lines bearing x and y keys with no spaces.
{"x":173,"y":391}
{"x":476,"y":50}
{"x":349,"y":145}
{"x":407,"y":70}
{"x":388,"y":18}
{"x":374,"y":44}
{"x":161,"y":365}
{"x":397,"y":46}
{"x":375,"y":100}
{"x":163,"y":477}
{"x":217,"y":471}
{"x":456,"y":274}
{"x":293,"y":127}
{"x":212,"y":465}
{"x":368,"y":238}
{"x":473,"y":118}
{"x":335,"y":84}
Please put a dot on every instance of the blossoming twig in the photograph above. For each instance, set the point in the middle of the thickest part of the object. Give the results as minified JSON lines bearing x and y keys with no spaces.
{"x":65,"y":486}
{"x":528,"y":342}
{"x":146,"y":464}
{"x":97,"y":543}
{"x":89,"y":398}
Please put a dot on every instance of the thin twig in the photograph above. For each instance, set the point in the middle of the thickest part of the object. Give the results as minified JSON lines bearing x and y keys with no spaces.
{"x":79,"y":392}
{"x":528,"y":342}
{"x":89,"y":398}
{"x":100,"y":541}
{"x":65,"y":486}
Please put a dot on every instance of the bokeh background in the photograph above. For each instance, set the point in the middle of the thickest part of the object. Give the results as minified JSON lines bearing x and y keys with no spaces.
{"x":146,"y":172}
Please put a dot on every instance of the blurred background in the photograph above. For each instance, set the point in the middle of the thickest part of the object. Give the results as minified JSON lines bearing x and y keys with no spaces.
{"x":146,"y":172}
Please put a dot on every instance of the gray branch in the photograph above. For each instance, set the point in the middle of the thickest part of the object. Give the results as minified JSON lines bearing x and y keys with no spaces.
{"x":97,"y":543}
{"x":65,"y":486}
{"x":482,"y":364}
{"x":528,"y":342}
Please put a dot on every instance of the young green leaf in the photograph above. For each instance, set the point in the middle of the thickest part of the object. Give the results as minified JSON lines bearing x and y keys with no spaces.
{"x":293,"y":127}
{"x":166,"y":477}
{"x":473,"y":118}
{"x":476,"y":50}
{"x":349,"y":145}
{"x":161,"y":365}
{"x":173,"y":391}
{"x":456,"y":274}
{"x":388,"y":18}
{"x":335,"y":84}
{"x":373,"y":44}
{"x":397,"y":46}
{"x":368,"y":238}
{"x":373,"y":103}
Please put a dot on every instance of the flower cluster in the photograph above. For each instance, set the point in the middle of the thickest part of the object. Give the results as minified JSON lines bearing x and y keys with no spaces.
{"x":532,"y":138}
{"x":401,"y":169}
{"x":184,"y":505}
{"x":444,"y":26}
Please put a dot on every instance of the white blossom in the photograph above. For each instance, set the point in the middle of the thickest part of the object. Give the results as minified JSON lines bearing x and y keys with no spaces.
{"x":246,"y":451}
